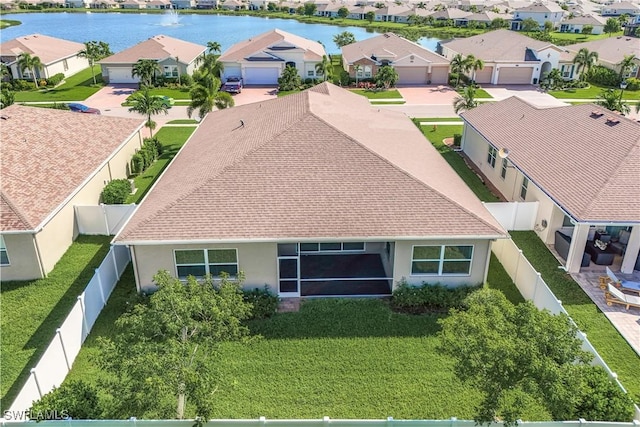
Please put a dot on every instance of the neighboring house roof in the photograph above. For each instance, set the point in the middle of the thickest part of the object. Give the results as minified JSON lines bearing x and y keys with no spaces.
{"x":611,"y":49}
{"x":262,"y":43}
{"x":158,"y":47}
{"x":451,"y":13}
{"x":48,"y":49}
{"x":488,"y":16}
{"x":47,"y":154}
{"x":625,"y":5}
{"x":498,"y":45}
{"x":589,"y":166}
{"x":389,"y":46}
{"x":393,"y":10}
{"x":322,"y":163}
{"x":540,"y":8}
{"x":585,"y":20}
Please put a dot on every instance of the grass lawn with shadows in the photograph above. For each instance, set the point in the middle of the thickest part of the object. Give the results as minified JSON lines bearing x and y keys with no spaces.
{"x":436,"y":135}
{"x":172,"y":139}
{"x":33,"y":309}
{"x":615,"y":351}
{"x":378,"y":94}
{"x":75,"y":88}
{"x":592,"y":92}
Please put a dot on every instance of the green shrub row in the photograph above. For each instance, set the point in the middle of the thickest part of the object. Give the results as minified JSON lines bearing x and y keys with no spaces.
{"x":633,"y":83}
{"x":116,"y":192}
{"x":149,"y":153}
{"x":265,"y":303}
{"x":603,"y":76}
{"x":429,"y":298}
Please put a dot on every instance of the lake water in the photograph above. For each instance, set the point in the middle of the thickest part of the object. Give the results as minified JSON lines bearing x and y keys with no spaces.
{"x":123,"y":30}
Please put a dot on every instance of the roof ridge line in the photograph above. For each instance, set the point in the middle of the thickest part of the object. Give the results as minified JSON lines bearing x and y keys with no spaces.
{"x":17,"y":211}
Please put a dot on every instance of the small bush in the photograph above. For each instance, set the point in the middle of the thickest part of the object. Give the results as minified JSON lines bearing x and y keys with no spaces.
{"x":457,"y":139}
{"x":77,"y":399}
{"x":633,"y":83}
{"x":603,"y":76}
{"x":21,"y":85}
{"x":55,"y":79}
{"x":186,"y":80}
{"x":428,"y":298}
{"x":264,"y":302}
{"x":116,"y":192}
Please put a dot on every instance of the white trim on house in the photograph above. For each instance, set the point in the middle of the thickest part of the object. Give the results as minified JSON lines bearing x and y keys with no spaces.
{"x":441,"y":260}
{"x":206,"y":262}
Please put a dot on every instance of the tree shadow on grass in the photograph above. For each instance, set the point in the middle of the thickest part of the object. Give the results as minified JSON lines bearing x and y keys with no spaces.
{"x":40,"y":339}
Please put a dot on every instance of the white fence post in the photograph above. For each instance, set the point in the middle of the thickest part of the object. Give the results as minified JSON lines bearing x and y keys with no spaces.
{"x":97,"y":274}
{"x":106,"y":218}
{"x":64,"y":350}
{"x":115,"y":261}
{"x":85,"y":331}
{"x":35,"y":378}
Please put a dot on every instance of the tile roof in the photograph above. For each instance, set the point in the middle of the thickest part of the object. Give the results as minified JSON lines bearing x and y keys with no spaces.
{"x":585,"y":20}
{"x":158,"y":48}
{"x":389,"y":46}
{"x":317,"y":164}
{"x":497,"y":45}
{"x":541,"y":8}
{"x":611,"y":49}
{"x":46,"y":155}
{"x":262,"y":42}
{"x":48,"y":49}
{"x":590,"y":166}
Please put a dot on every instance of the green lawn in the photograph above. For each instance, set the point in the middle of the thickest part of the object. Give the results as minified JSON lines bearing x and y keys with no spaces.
{"x":480,"y":93}
{"x":32,"y":310}
{"x":571,"y":38}
{"x":342,"y":358}
{"x":6,"y":23}
{"x":172,"y":139}
{"x":605,"y":338}
{"x":76,"y":88}
{"x":438,"y":119}
{"x":455,"y":160}
{"x":591,"y":92}
{"x":183,"y":122}
{"x":176,"y":94}
{"x":378,"y":94}
{"x":282,"y":93}
{"x":399,"y":102}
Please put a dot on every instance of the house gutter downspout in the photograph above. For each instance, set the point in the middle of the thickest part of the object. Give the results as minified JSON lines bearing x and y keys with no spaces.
{"x":38,"y":255}
{"x":132,"y":250}
{"x":486,"y":267}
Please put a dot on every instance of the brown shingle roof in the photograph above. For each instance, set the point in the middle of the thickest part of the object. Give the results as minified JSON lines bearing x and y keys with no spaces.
{"x":313,"y":50}
{"x":389,"y":46}
{"x":318,"y":164}
{"x":48,"y":49}
{"x":46,"y":154}
{"x":497,"y":45}
{"x":589,"y":166}
{"x":158,"y":48}
{"x":611,"y":49}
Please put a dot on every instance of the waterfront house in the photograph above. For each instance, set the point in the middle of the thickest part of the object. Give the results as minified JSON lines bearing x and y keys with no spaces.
{"x":577,"y":24}
{"x":539,"y":12}
{"x":315,"y":193}
{"x":53,"y":160}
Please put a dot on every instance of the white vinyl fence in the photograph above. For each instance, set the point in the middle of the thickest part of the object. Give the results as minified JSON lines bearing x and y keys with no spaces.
{"x":533,"y":288}
{"x":55,"y":363}
{"x":324,"y":422}
{"x":520,"y":216}
{"x":103,"y":219}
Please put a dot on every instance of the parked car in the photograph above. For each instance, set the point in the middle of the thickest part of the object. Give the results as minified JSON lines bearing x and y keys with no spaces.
{"x":165,"y":100}
{"x":233,"y":85}
{"x":81,"y":108}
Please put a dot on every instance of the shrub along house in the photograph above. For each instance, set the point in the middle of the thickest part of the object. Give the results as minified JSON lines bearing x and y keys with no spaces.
{"x":53,"y":160}
{"x":581,"y":163}
{"x":315,"y":193}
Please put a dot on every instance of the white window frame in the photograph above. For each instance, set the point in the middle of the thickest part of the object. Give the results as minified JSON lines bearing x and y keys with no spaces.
{"x":324,"y":251}
{"x":171,"y":71}
{"x":367,"y":71}
{"x":3,"y":248}
{"x":491,"y":156}
{"x":206,"y":262}
{"x":524,"y":187}
{"x":311,"y":73}
{"x":503,"y":170}
{"x":441,"y":260}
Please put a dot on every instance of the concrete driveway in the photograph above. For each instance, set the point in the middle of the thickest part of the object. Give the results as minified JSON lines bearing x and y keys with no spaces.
{"x":529,"y":93}
{"x":251,"y":94}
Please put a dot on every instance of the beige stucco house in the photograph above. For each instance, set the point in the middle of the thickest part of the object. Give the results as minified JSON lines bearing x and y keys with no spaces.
{"x":510,"y":57}
{"x":175,"y":57}
{"x":315,"y":193}
{"x":612,"y":50}
{"x":413,"y":63}
{"x":260,"y":60}
{"x":57,"y":56}
{"x":53,"y":160}
{"x":581,"y":163}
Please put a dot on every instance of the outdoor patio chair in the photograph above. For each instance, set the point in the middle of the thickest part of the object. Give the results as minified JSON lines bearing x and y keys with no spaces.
{"x":625,"y":285}
{"x":613,"y":295}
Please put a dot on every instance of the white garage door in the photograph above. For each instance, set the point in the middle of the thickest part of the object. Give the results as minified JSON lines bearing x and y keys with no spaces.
{"x":261,"y":76}
{"x":484,"y":75}
{"x":411,"y":75}
{"x":439,"y":75}
{"x":232,"y":72}
{"x":121,"y":75}
{"x":515,"y":76}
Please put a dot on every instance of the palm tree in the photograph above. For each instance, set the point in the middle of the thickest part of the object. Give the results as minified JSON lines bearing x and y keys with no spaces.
{"x":205,"y":95}
{"x":4,"y":72}
{"x":211,"y":65}
{"x":146,"y":70}
{"x":627,"y":64}
{"x":31,"y":63}
{"x":474,"y":64}
{"x":465,"y":101}
{"x":324,"y":68}
{"x":146,"y":104}
{"x":458,"y":65}
{"x":356,"y":69}
{"x":214,"y":47}
{"x":386,"y":76}
{"x":553,"y":80}
{"x":94,"y":51}
{"x":585,"y":60}
{"x":610,"y":99}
